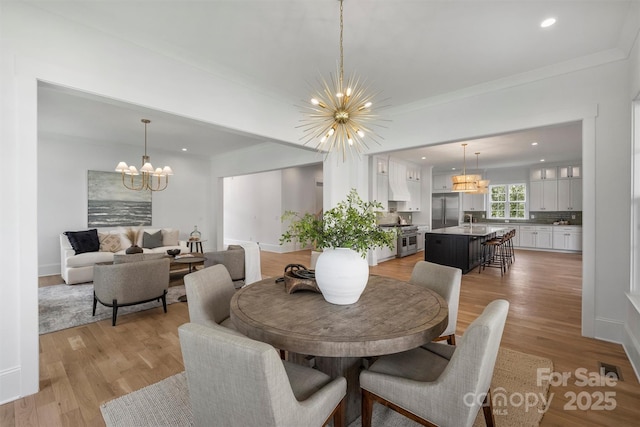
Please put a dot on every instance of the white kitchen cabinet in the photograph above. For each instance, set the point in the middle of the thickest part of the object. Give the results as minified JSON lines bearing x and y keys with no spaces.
{"x":420,"y":244}
{"x":382,"y":165}
{"x":543,"y":195}
{"x":570,"y":194}
{"x":442,"y":183}
{"x":382,"y":191}
{"x":381,"y":181}
{"x":413,"y":173}
{"x":415,"y":200}
{"x":567,"y":238}
{"x":473,"y":202}
{"x":569,"y":172}
{"x":536,"y":236}
{"x":542,"y":173}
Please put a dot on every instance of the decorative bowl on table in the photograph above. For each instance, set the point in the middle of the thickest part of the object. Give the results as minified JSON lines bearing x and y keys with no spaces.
{"x":173,"y":252}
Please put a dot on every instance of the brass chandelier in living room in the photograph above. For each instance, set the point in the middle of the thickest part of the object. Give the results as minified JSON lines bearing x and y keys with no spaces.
{"x":340,"y":113}
{"x":150,"y":178}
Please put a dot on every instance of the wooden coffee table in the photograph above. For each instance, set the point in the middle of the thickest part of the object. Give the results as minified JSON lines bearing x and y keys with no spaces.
{"x":194,"y":258}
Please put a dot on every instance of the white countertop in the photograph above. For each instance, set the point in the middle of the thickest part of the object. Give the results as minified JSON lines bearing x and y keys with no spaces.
{"x":474,"y":230}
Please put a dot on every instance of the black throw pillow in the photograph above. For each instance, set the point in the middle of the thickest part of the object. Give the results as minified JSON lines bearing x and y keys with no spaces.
{"x":151,"y":241}
{"x":84,"y":241}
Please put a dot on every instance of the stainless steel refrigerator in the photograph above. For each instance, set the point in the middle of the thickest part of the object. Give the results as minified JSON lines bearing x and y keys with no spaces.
{"x":445,"y":210}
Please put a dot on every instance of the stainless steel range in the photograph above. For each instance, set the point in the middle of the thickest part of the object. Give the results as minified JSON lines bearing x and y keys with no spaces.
{"x":407,"y":239}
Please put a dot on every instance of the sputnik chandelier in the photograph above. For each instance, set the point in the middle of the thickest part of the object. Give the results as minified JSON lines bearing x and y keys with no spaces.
{"x":153,"y":180}
{"x":340,"y":113}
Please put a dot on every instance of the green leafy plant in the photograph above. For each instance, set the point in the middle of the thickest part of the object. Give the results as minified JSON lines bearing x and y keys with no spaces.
{"x":351,"y":224}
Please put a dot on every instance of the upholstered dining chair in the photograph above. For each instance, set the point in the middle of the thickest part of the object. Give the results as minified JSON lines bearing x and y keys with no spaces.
{"x":209,"y":293}
{"x":446,"y":282}
{"x":439,"y":384}
{"x":236,"y":381}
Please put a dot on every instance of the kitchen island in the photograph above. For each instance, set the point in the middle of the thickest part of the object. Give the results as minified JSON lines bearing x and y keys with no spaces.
{"x":459,"y":246}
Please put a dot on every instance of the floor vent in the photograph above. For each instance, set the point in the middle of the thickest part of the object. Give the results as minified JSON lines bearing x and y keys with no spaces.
{"x":610,"y":369}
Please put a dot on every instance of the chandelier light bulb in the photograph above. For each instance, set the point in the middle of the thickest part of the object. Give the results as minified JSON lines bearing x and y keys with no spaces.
{"x":360,"y":133}
{"x":315,"y":101}
{"x":348,"y":91}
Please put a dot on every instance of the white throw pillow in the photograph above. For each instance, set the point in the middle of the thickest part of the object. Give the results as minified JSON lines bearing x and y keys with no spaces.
{"x":170,"y":237}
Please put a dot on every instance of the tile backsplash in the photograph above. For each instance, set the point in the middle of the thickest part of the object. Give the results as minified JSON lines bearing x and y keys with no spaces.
{"x":541,"y":217}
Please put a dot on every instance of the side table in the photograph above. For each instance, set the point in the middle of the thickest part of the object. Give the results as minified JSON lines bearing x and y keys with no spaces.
{"x":198,"y":245}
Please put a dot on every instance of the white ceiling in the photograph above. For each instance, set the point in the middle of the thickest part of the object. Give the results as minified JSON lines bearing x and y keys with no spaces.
{"x":411,"y":51}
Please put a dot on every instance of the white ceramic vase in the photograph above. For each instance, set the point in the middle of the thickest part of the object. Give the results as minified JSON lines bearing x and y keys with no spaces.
{"x":341,"y":274}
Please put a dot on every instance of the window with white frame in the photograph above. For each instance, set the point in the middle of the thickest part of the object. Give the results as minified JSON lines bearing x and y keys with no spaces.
{"x":507,"y":201}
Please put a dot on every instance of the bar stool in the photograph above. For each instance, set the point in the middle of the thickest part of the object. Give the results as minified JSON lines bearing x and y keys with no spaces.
{"x":494,"y":254}
{"x":509,"y":246}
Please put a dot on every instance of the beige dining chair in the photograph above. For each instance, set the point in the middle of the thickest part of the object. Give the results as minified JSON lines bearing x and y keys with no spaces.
{"x":236,"y":381}
{"x":209,"y":293}
{"x":446,"y":282}
{"x":439,"y":384}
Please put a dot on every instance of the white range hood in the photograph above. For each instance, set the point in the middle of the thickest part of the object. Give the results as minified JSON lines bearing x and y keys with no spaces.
{"x":398,"y":189}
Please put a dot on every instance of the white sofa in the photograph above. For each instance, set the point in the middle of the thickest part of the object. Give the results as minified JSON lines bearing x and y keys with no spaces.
{"x":78,"y":268}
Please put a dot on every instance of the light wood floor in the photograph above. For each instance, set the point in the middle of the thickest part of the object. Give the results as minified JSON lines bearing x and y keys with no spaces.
{"x":83,"y":367}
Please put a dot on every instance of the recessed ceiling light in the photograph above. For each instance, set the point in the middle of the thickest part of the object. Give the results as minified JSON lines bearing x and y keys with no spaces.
{"x":184,"y":149}
{"x":453,"y":169}
{"x":542,"y":160}
{"x":534,"y":143}
{"x":548,"y":22}
{"x":424,"y":158}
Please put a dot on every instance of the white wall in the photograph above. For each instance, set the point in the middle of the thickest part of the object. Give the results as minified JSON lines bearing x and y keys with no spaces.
{"x":507,"y":175}
{"x":254,"y":204}
{"x":62,"y":192}
{"x":252,"y":208}
{"x":36,"y":45}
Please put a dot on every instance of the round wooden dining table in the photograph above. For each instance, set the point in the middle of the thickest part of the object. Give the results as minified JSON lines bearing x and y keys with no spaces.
{"x":391,"y":316}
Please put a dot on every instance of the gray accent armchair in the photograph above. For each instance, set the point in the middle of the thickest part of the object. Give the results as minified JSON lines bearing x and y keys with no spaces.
{"x":233,"y":259}
{"x":440,"y":384}
{"x":446,"y":282}
{"x":236,"y":381}
{"x":130,"y":283}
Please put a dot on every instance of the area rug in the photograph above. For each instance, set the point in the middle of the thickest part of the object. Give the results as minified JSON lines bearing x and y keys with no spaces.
{"x":166,"y":403}
{"x":66,"y":306}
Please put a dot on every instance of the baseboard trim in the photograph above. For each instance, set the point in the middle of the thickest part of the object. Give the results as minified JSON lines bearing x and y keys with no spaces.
{"x":631,"y":339}
{"x":632,"y":347}
{"x":610,"y":330}
{"x":10,"y":385}
{"x":48,"y":270}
